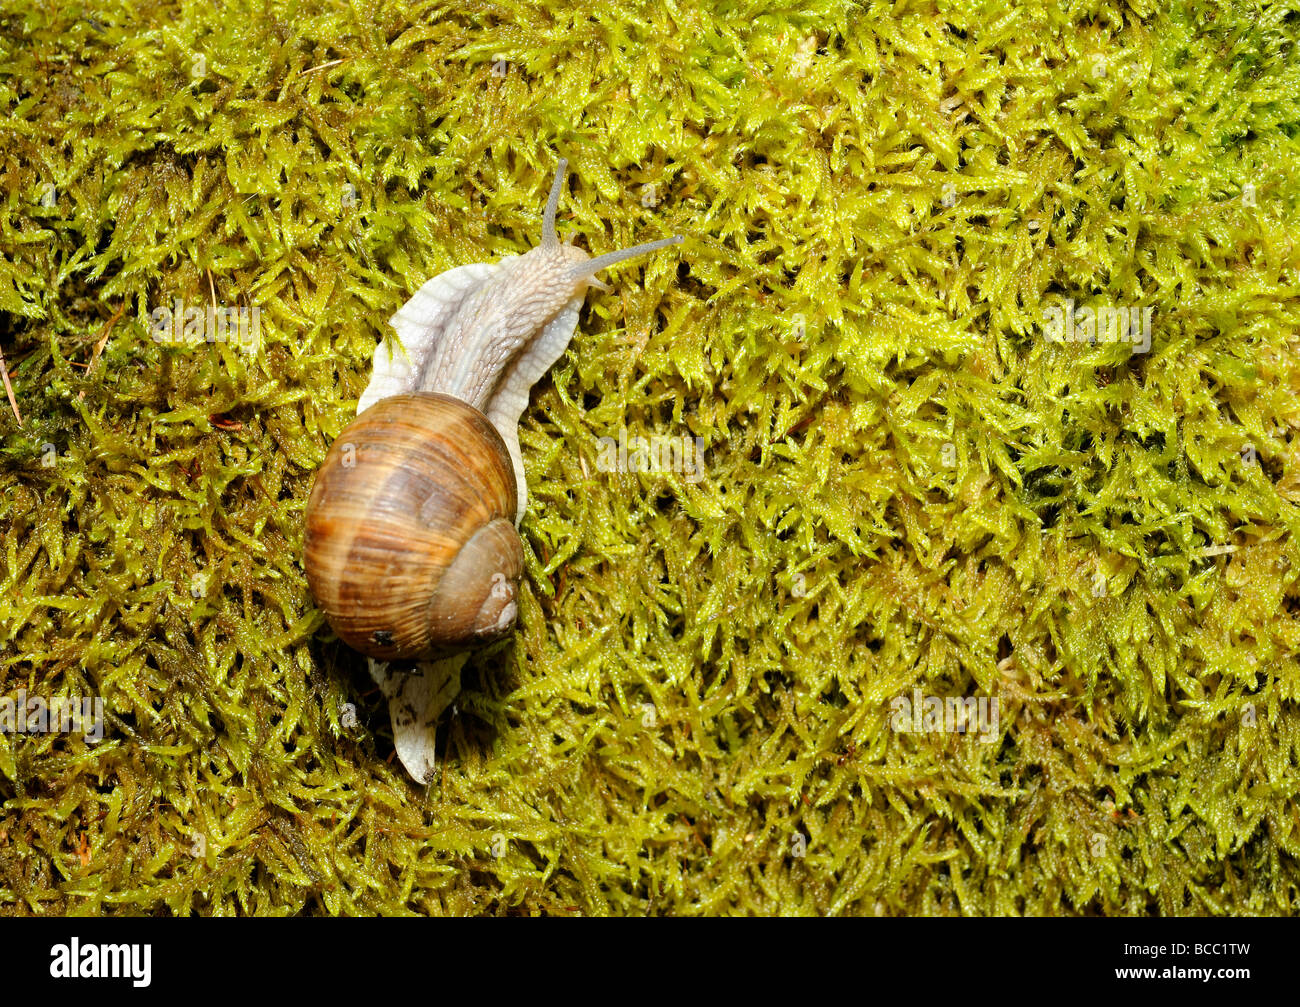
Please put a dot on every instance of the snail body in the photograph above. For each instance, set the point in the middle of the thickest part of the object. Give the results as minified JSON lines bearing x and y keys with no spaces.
{"x":411,"y":542}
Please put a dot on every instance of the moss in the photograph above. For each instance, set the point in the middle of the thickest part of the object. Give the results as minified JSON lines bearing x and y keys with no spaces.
{"x":906,"y":485}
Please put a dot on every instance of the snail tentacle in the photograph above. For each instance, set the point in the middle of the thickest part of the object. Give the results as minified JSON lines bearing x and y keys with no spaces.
{"x":549,"y":240}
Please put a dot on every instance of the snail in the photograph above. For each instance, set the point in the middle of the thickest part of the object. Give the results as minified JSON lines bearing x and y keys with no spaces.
{"x":412,"y":549}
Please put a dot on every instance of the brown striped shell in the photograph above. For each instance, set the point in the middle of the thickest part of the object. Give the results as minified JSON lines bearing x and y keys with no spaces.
{"x":410,"y":540}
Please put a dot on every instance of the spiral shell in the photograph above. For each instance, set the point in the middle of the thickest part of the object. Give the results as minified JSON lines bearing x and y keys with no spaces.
{"x":411,"y":546}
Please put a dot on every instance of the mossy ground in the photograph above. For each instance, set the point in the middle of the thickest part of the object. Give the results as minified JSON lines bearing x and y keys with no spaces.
{"x":906,"y":485}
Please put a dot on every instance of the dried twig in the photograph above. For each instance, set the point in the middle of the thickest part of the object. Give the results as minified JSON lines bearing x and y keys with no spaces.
{"x":103,"y":333}
{"x":322,"y":66}
{"x":9,"y":389}
{"x":101,"y":343}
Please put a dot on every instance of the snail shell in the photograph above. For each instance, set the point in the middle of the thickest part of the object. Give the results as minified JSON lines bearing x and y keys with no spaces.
{"x":430,"y":473}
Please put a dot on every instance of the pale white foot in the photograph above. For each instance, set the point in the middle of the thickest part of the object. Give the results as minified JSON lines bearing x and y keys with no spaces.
{"x":418,"y":692}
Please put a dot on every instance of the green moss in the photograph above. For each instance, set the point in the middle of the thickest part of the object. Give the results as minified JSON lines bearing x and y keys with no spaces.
{"x":906,"y":485}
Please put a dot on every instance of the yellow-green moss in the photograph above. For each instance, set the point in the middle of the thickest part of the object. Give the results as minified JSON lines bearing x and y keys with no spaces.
{"x":907,"y":486}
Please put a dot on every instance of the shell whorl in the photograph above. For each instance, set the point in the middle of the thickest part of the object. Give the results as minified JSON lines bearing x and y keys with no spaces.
{"x":410,"y":541}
